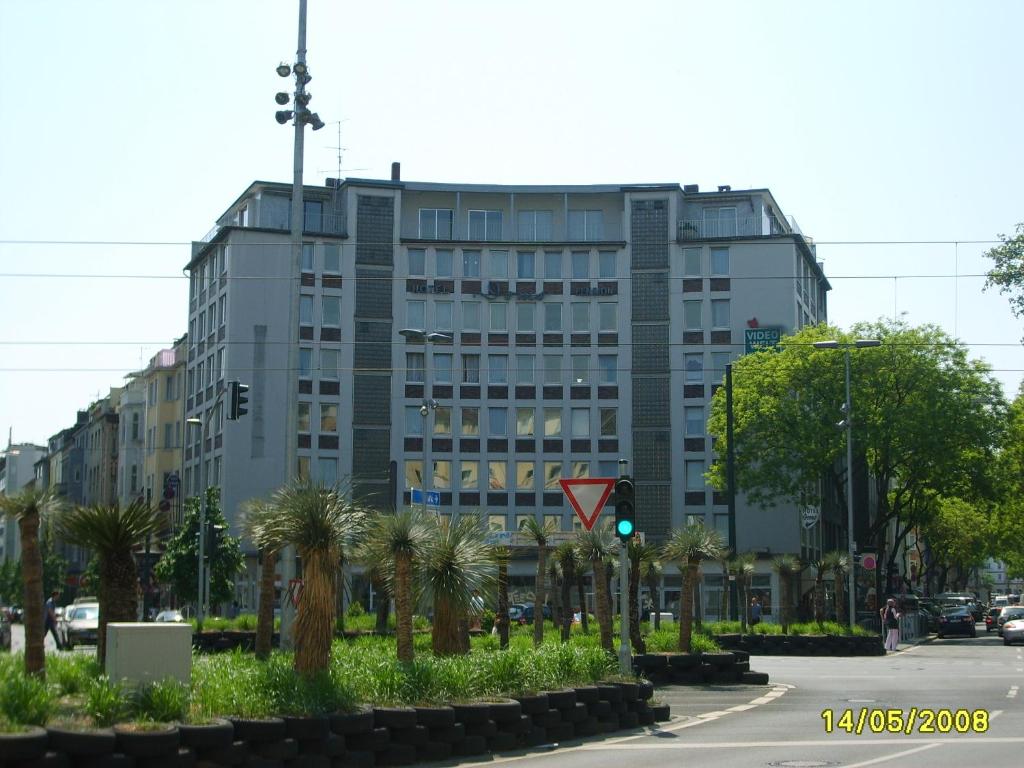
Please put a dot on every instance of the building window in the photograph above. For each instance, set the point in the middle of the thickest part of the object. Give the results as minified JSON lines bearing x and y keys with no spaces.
{"x":695,"y":475}
{"x":222,"y":305}
{"x":497,"y":369}
{"x":327,"y":472}
{"x":471,"y":263}
{"x":135,"y":426}
{"x":328,"y":364}
{"x":328,"y":417}
{"x":718,"y":362}
{"x":414,"y":473}
{"x":414,"y":362}
{"x":607,"y":316}
{"x":552,"y":422}
{"x":553,"y":370}
{"x":580,"y":369}
{"x":607,"y":366}
{"x":441,"y":372}
{"x":720,"y":261}
{"x":526,"y":265}
{"x":606,"y":265}
{"x":580,"y":469}
{"x":720,"y":313}
{"x":497,"y":475}
{"x":691,"y":262}
{"x":305,"y":310}
{"x":526,"y":312}
{"x":720,"y":222}
{"x":444,"y":315}
{"x":417,"y":261}
{"x":499,"y":317}
{"x":470,"y":369}
{"x":552,"y":265}
{"x":331,"y":317}
{"x":694,"y":418}
{"x":580,"y":422}
{"x":497,"y":263}
{"x":168,"y":435}
{"x":442,"y":474}
{"x":553,"y":317}
{"x":534,"y":225}
{"x":413,"y":421}
{"x":471,"y":315}
{"x":443,"y":420}
{"x":302,"y":467}
{"x":693,"y":364}
{"x":313,"y":211}
{"x":586,"y":225}
{"x":436,"y":223}
{"x":524,"y":422}
{"x":469,"y":474}
{"x":525,"y":474}
{"x":497,"y":422}
{"x":135,"y":479}
{"x":580,"y":315}
{"x":580,"y":265}
{"x":470,"y":421}
{"x":485,"y":225}
{"x":609,"y":422}
{"x":524,"y":369}
{"x":496,"y":523}
{"x":307,"y":257}
{"x":415,"y":314}
{"x":332,"y":257}
{"x":444,"y":263}
{"x":305,"y":362}
{"x":693,"y":319}
{"x":303,"y":419}
{"x":522,"y":520}
{"x":552,"y":474}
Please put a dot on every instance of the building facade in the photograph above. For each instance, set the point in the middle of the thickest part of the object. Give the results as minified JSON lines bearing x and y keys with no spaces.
{"x":579,"y":325}
{"x":164,"y":380}
{"x":17,"y":471}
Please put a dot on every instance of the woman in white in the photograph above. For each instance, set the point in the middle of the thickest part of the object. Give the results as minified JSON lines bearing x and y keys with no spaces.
{"x":891,"y":625}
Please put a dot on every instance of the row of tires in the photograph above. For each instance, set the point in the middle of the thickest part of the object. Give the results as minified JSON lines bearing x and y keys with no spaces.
{"x":726,"y":667}
{"x":804,"y":645}
{"x":383,"y":736}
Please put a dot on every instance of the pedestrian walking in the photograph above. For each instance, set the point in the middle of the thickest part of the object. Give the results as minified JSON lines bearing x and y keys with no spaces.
{"x":755,"y":611}
{"x":891,"y":625}
{"x":50,"y":619}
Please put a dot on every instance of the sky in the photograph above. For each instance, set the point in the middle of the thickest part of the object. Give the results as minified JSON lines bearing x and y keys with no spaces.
{"x":890,"y":131}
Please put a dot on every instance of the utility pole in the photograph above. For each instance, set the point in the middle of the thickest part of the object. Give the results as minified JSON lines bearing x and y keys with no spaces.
{"x":730,"y":481}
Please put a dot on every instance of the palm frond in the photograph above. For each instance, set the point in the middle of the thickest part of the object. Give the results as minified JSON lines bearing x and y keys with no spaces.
{"x":596,"y":544}
{"x":538,"y":531}
{"x":44,"y":503}
{"x":313,"y":518}
{"x":690,"y":545}
{"x":456,"y":561}
{"x":786,"y":565}
{"x":110,"y":529}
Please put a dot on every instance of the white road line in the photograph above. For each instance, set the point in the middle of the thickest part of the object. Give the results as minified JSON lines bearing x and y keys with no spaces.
{"x":1012,"y":693}
{"x":894,"y":756}
{"x":883,"y":742}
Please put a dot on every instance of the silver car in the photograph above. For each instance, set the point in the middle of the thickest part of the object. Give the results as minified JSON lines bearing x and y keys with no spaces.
{"x":83,"y":622}
{"x":1009,"y":614}
{"x":1013,"y":631}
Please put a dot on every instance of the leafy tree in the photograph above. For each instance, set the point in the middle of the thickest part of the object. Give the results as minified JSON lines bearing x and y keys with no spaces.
{"x":1007,"y":274}
{"x":179,"y":564}
{"x":55,"y":567}
{"x":112,"y":533}
{"x":597,"y":546}
{"x":687,"y":547}
{"x":959,"y":537}
{"x":29,"y":508}
{"x":11,"y":590}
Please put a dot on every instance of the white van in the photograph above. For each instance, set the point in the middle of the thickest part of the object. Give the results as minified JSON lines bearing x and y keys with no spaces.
{"x":1001,"y":601}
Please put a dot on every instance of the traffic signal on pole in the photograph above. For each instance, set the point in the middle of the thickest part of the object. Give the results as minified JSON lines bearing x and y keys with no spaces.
{"x":237,"y":399}
{"x":625,"y":514}
{"x":214,"y":533}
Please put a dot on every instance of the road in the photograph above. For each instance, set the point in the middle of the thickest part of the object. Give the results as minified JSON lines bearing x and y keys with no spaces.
{"x":781,"y":724}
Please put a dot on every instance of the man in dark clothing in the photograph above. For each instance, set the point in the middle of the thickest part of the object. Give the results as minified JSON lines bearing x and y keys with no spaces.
{"x":50,"y":619}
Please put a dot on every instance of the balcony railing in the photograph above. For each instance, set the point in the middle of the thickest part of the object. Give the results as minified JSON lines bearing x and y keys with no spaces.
{"x":756,"y":226}
{"x":316,"y":223}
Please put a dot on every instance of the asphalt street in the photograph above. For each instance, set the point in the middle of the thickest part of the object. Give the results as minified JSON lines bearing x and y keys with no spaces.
{"x":970,"y":685}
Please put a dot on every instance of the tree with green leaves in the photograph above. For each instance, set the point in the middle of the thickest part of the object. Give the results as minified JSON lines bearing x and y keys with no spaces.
{"x":960,"y":537}
{"x":11,"y":590}
{"x":820,"y":566}
{"x":539,"y":533}
{"x":597,"y":546}
{"x":179,"y":564}
{"x":565,"y":555}
{"x":113,"y":533}
{"x":687,"y":547}
{"x":30,"y":508}
{"x":1007,"y":273}
{"x":926,"y":420}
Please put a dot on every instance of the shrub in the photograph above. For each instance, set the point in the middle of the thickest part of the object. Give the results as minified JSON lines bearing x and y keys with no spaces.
{"x":355,"y":609}
{"x":72,"y":674}
{"x":246,"y":622}
{"x":766,"y":628}
{"x":24,"y":699}
{"x":105,"y":702}
{"x":487,"y":620}
{"x":163,"y":701}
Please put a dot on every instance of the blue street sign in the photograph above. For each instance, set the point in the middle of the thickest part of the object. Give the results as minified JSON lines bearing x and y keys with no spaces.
{"x":433,"y":497}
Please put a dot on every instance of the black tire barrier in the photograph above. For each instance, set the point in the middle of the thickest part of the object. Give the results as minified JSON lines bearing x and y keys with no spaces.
{"x":588,"y":727}
{"x":331,"y":746}
{"x":521,"y":724}
{"x":354,"y":758}
{"x":561,"y":732}
{"x":661,"y":713}
{"x":650,"y":662}
{"x":549,"y":719}
{"x":310,"y":727}
{"x":235,"y":753}
{"x":532,"y":704}
{"x":351,"y":723}
{"x":415,"y":736}
{"x":375,"y":740}
{"x":100,"y":741}
{"x":577,"y":714}
{"x":601,"y":709}
{"x":256,"y":730}
{"x":646,"y":718}
{"x":470,"y":714}
{"x":619,"y":707}
{"x":680,"y":662}
{"x":630,"y":691}
{"x":505,"y":711}
{"x":310,"y":761}
{"x":285,"y":749}
{"x":755,"y":678}
{"x":629,"y":720}
{"x":394,"y":717}
{"x":502,"y":742}
{"x":113,"y":760}
{"x":27,"y":745}
{"x":435,"y":717}
{"x":217,"y":733}
{"x":486,"y":729}
{"x":609,"y":692}
{"x":397,"y":754}
{"x":149,"y":743}
{"x":609,"y":724}
{"x":645,"y":690}
{"x":535,"y":736}
{"x":434,"y":750}
{"x":163,"y":761}
{"x":451,"y":734}
{"x":471,"y":745}
{"x":586,"y":694}
{"x":48,"y":759}
{"x":561,"y":699}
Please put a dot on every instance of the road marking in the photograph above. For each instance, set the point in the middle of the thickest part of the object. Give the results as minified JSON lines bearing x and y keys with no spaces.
{"x":894,"y":756}
{"x":1012,"y":693}
{"x":935,"y":742}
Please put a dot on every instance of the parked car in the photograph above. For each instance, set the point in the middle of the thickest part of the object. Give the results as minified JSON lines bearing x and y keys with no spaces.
{"x":83,"y":621}
{"x":5,"y":631}
{"x":992,"y":619}
{"x":528,"y":613}
{"x":957,"y":621}
{"x":1008,"y":614}
{"x":931,"y":613}
{"x":169,"y":617}
{"x":515,"y":612}
{"x":1013,"y":631}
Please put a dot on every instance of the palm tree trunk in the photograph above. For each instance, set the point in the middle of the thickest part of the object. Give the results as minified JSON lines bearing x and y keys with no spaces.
{"x":686,"y":608}
{"x":314,"y":623}
{"x":502,"y":618}
{"x":652,"y":587}
{"x":119,"y":585}
{"x":841,"y":616}
{"x":581,"y":591}
{"x":784,"y":601}
{"x":635,"y":637}
{"x":744,"y":605}
{"x":602,"y":607}
{"x":568,"y":577}
{"x":403,"y":605}
{"x":381,"y":602}
{"x":265,"y":612}
{"x":32,"y":572}
{"x":819,"y":597}
{"x":445,"y":633}
{"x":556,"y":602}
{"x":539,"y":596}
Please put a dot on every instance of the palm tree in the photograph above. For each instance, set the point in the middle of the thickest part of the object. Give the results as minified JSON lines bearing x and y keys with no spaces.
{"x":397,"y":541}
{"x":254,"y":509}
{"x":555,"y":582}
{"x":580,"y":566}
{"x":381,"y":597}
{"x":502,"y":555}
{"x":820,"y":566}
{"x":839,"y":563}
{"x":638,"y":554}
{"x":539,"y":533}
{"x":457,"y":561}
{"x":112,"y":533}
{"x":742,"y":568}
{"x":597,"y":546}
{"x":318,"y":521}
{"x":786,"y":566}
{"x":651,"y":572}
{"x":687,"y":547}
{"x":566,"y":556}
{"x":29,"y":508}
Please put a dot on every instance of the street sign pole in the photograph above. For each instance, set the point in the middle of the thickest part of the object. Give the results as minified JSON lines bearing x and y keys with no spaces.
{"x":625,"y":655}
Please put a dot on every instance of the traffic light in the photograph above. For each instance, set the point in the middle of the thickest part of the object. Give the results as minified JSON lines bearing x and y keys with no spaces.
{"x":237,"y":399}
{"x":213,"y":539}
{"x":625,"y":514}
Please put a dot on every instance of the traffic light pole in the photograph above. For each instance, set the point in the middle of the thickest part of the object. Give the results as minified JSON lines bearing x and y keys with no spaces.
{"x":624,"y":498}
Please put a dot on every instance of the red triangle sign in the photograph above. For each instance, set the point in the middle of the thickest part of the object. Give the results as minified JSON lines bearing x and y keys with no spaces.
{"x":587,"y":496}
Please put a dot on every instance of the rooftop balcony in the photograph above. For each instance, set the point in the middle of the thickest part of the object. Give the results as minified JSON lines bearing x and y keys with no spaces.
{"x":732,"y":229}
{"x":315,"y":224}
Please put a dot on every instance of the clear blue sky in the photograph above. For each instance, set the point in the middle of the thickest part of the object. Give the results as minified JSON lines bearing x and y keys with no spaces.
{"x":140,"y":122}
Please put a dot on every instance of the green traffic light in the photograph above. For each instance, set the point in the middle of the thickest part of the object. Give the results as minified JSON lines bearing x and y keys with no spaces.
{"x":624,"y":527}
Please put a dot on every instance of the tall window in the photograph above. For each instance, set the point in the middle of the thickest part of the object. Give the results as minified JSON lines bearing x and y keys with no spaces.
{"x":470,"y":369}
{"x":417,"y":261}
{"x":413,"y":473}
{"x":694,"y":418}
{"x":470,"y":421}
{"x":553,"y":370}
{"x":607,"y":316}
{"x":720,"y":313}
{"x":580,"y":265}
{"x":497,"y":422}
{"x":443,"y":316}
{"x":693,"y":319}
{"x":436,"y":223}
{"x":580,"y":369}
{"x":471,"y":263}
{"x":552,"y":265}
{"x":524,"y":422}
{"x":691,"y":262}
{"x":608,"y":369}
{"x":328,"y":417}
{"x":497,"y":369}
{"x":553,"y":317}
{"x":552,"y":422}
{"x":414,"y":366}
{"x":718,"y":362}
{"x":580,"y":422}
{"x":332,"y":257}
{"x":471,"y":315}
{"x":413,"y":421}
{"x":586,"y":225}
{"x":695,"y":475}
{"x":416,"y":314}
{"x":606,"y":265}
{"x":307,"y":257}
{"x":720,"y":261}
{"x":609,"y":423}
{"x":497,"y":264}
{"x":526,"y":265}
{"x":331,"y":312}
{"x":305,"y":310}
{"x":441,"y":370}
{"x":720,"y":222}
{"x":499,"y":316}
{"x":534,"y":225}
{"x":485,"y":225}
{"x":552,"y":474}
{"x":525,"y":474}
{"x":443,"y":420}
{"x":524,"y":369}
{"x":497,"y":475}
{"x":328,"y":363}
{"x":442,"y":474}
{"x":444,"y":263}
{"x":305,"y":362}
{"x":327,"y":472}
{"x":526,"y":313}
{"x":303,"y":419}
{"x":580,"y":313}
{"x":693,"y":365}
{"x":469,"y":475}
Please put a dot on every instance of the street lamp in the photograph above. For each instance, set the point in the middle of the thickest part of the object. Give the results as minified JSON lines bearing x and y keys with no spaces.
{"x":201,"y":592}
{"x":421,"y":336}
{"x":847,"y":424}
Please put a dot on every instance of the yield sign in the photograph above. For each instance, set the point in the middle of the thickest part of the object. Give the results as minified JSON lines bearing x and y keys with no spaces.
{"x":587,"y":496}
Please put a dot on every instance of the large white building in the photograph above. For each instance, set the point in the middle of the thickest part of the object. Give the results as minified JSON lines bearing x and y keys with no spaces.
{"x":586,"y":324}
{"x":17,"y":470}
